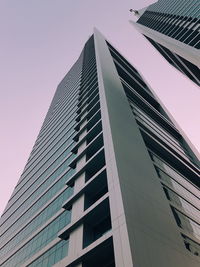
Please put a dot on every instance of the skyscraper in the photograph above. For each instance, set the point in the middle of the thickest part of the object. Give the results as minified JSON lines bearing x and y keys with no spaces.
{"x":110,"y":181}
{"x":173,"y":28}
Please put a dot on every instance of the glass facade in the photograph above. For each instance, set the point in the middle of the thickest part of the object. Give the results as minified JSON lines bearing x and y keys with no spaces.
{"x":52,"y":256}
{"x":34,"y":221}
{"x":178,"y":20}
{"x":34,"y":215}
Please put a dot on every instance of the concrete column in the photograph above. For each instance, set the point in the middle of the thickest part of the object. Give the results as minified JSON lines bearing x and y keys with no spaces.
{"x":76,"y":236}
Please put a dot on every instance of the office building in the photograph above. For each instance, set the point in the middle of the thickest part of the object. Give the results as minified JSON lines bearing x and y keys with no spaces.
{"x":110,"y":181}
{"x":173,"y":28}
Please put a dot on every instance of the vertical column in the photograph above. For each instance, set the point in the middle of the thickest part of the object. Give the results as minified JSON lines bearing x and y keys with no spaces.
{"x":122,"y":250}
{"x":76,"y":236}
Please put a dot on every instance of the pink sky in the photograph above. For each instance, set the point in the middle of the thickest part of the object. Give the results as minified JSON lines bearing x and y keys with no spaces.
{"x":40,"y":41}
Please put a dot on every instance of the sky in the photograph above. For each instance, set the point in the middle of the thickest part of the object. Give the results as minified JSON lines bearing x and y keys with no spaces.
{"x":41,"y":40}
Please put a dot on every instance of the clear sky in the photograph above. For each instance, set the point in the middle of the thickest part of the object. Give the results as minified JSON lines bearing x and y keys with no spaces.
{"x":41,"y":39}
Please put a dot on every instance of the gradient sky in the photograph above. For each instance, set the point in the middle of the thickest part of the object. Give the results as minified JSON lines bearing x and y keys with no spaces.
{"x":41,"y":39}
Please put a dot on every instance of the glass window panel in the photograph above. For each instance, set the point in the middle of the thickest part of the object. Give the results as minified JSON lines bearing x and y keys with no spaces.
{"x":187,"y":224}
{"x":179,"y":188}
{"x":192,"y":246}
{"x":176,"y":176}
{"x":185,"y":205}
{"x":53,"y":255}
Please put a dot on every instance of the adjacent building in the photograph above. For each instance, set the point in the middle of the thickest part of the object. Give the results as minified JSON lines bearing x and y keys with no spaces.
{"x":173,"y":28}
{"x":110,"y":181}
